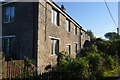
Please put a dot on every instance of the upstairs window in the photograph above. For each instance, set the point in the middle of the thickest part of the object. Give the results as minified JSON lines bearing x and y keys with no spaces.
{"x":75,"y":30}
{"x":55,"y":17}
{"x":9,"y":13}
{"x":83,"y":34}
{"x":68,"y":25}
{"x":54,"y":46}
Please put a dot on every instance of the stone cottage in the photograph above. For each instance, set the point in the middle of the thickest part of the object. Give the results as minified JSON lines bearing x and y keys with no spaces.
{"x":39,"y":30}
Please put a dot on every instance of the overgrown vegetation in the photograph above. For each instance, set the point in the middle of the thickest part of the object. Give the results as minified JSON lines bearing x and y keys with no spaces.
{"x":30,"y":68}
{"x":90,"y":33}
{"x":97,"y":61}
{"x":27,"y":70}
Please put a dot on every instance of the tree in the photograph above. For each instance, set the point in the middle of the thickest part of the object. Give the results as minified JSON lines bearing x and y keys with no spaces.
{"x":90,"y":33}
{"x":112,"y":35}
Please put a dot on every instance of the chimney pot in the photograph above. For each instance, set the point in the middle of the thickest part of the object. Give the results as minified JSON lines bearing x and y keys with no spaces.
{"x":63,"y":8}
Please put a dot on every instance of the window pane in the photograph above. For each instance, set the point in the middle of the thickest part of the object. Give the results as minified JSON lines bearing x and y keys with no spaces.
{"x":58,"y":19}
{"x":55,"y":18}
{"x":68,"y":49}
{"x":52,"y":16}
{"x":82,"y":34}
{"x":12,"y":11}
{"x":52,"y":49}
{"x":7,"y":14}
{"x":75,"y":30}
{"x":68,"y":25}
{"x":8,"y":47}
{"x":55,"y":47}
{"x":75,"y":45}
{"x":12,"y":46}
{"x":4,"y":46}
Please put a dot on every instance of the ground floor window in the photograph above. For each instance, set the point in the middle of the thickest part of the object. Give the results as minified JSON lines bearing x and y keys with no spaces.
{"x":54,"y":46}
{"x":8,"y":45}
{"x":75,"y":48}
{"x":68,"y":49}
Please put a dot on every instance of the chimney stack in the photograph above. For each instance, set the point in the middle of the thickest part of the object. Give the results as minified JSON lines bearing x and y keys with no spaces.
{"x":63,"y":8}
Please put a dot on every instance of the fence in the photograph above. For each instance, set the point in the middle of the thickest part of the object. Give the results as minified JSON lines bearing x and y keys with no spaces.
{"x":12,"y":69}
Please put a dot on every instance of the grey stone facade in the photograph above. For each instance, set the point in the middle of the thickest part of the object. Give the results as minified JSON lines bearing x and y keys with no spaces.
{"x":34,"y":31}
{"x":84,"y":37}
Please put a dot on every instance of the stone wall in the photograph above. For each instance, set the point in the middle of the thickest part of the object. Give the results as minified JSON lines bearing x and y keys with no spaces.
{"x":48,"y":30}
{"x":34,"y":30}
{"x":82,"y":38}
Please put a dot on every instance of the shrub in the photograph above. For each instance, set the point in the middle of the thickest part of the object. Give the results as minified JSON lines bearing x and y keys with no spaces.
{"x":86,"y":50}
{"x":30,"y":68}
{"x":111,"y":67}
{"x":111,"y":47}
{"x":98,"y":60}
{"x":96,"y":67}
{"x":72,"y":67}
{"x":77,"y":68}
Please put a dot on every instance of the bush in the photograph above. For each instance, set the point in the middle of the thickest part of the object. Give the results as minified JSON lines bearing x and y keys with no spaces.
{"x":76,"y":68}
{"x":30,"y":68}
{"x":96,"y":66}
{"x":86,"y":50}
{"x":111,"y":67}
{"x":98,"y":60}
{"x":111,"y":47}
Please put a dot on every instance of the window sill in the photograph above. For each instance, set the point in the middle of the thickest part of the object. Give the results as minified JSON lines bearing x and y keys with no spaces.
{"x":53,"y":55}
{"x":68,"y":32}
{"x":55,"y":25}
{"x":75,"y":34}
{"x":7,"y":22}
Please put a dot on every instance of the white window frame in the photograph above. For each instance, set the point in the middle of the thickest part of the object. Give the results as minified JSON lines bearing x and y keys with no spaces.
{"x":55,"y":17}
{"x":68,"y":46}
{"x":75,"y":30}
{"x":51,"y":37}
{"x":10,"y":14}
{"x":83,"y":34}
{"x":67,"y":25}
{"x":75,"y":47}
{"x":53,"y":53}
